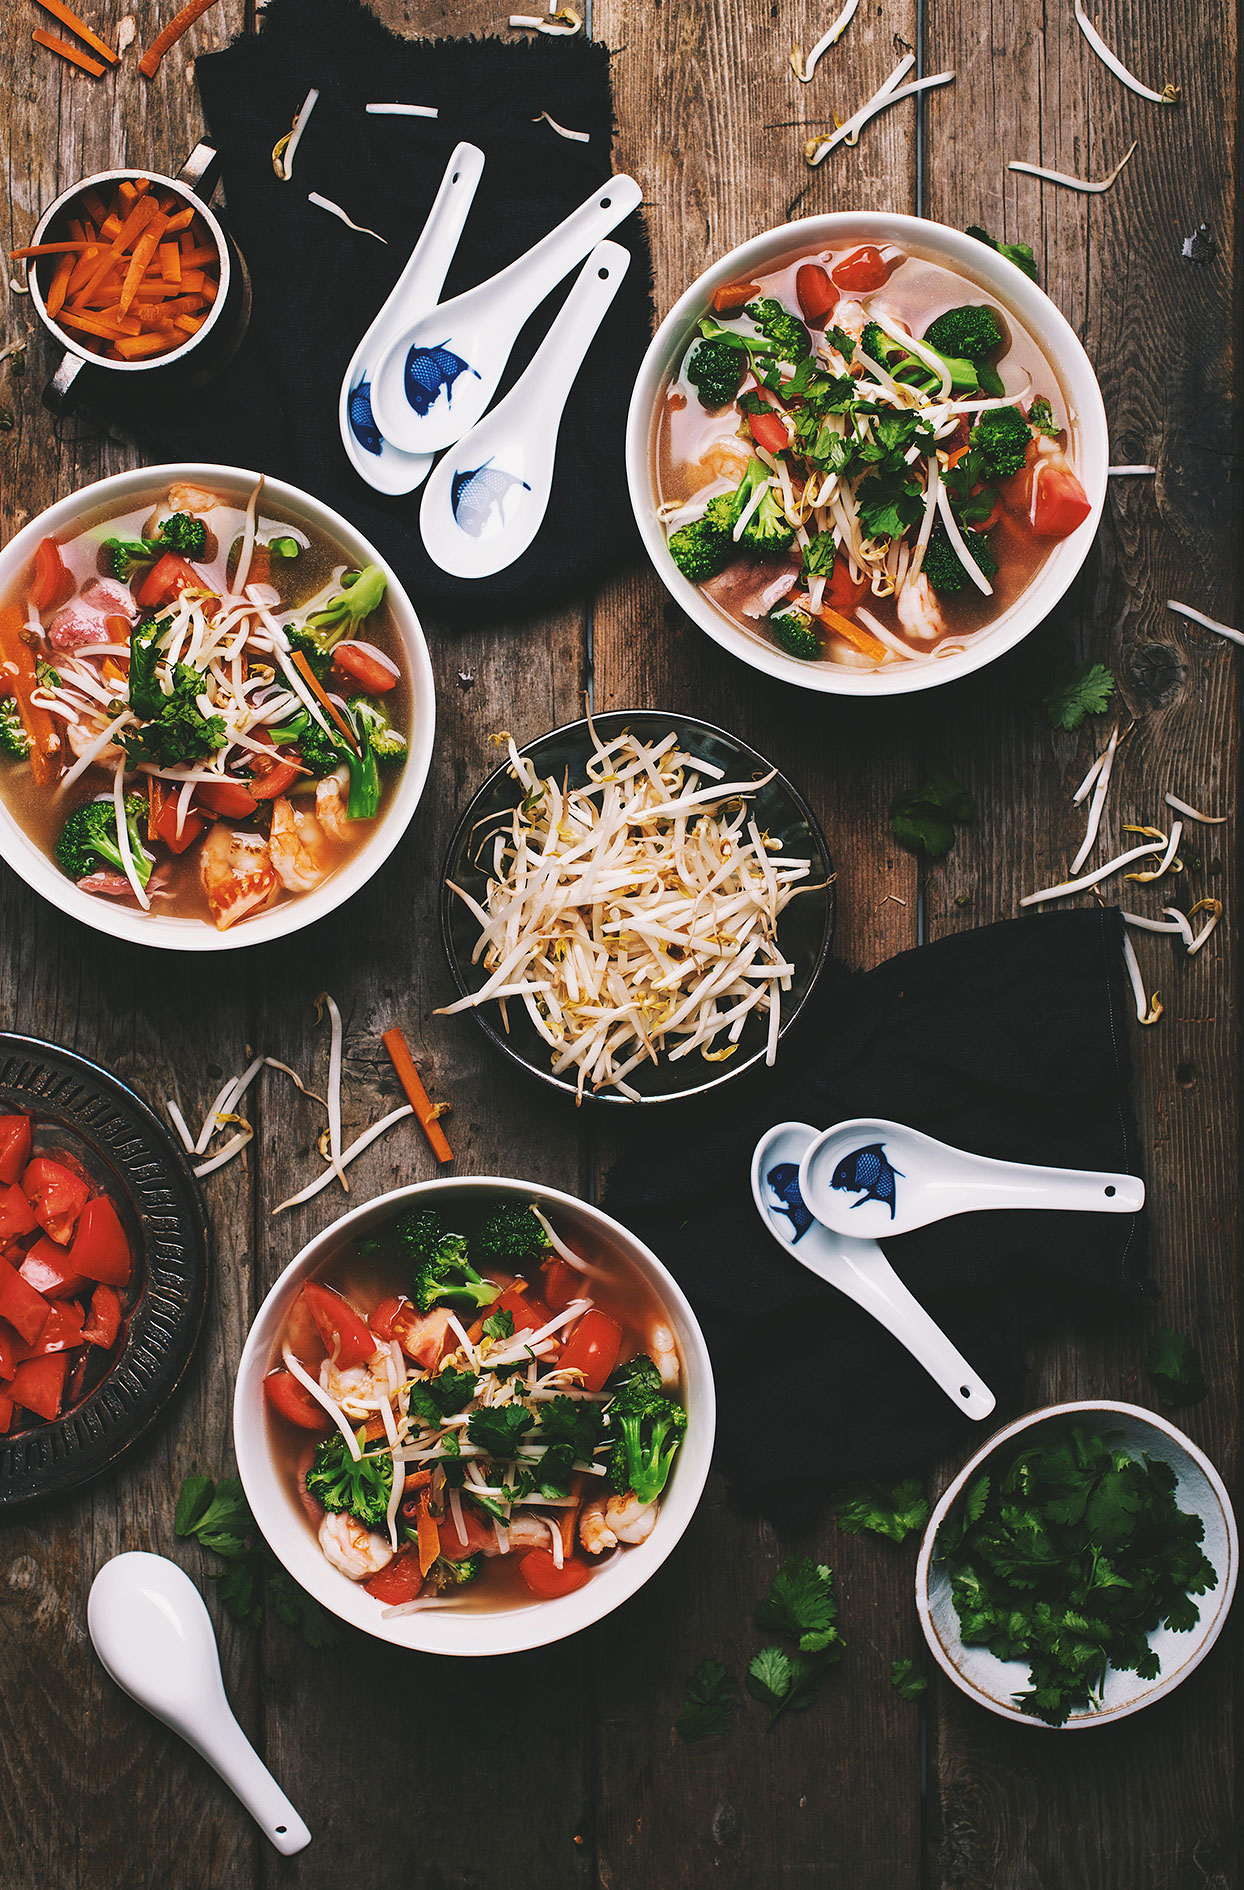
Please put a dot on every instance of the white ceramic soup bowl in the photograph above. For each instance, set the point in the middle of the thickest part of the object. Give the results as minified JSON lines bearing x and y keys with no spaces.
{"x":122,"y":492}
{"x":270,"y":1486}
{"x":979,"y":266}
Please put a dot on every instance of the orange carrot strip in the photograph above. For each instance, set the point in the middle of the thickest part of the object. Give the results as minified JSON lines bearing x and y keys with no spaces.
{"x":854,"y":633}
{"x":170,"y":262}
{"x":111,"y":225}
{"x":199,"y":258}
{"x":429,"y":1536}
{"x":67,"y":17}
{"x":144,"y":249}
{"x":94,"y":206}
{"x":95,"y":325}
{"x":58,"y":285}
{"x":408,"y":1076}
{"x":141,"y":184}
{"x":18,"y":679}
{"x":45,"y":249}
{"x":72,"y":53}
{"x":127,"y":192}
{"x":134,"y":347}
{"x":191,"y":323}
{"x":181,"y":219}
{"x":568,"y":1517}
{"x":142,"y":215}
{"x":84,"y":267}
{"x":181,"y":23}
{"x":313,"y":684}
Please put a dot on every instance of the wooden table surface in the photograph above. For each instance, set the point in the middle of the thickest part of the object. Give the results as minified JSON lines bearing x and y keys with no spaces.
{"x":561,"y":1768}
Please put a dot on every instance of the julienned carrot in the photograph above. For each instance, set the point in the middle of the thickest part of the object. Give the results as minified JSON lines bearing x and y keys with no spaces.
{"x":854,"y":633}
{"x":180,"y":220}
{"x":315,"y":686}
{"x":45,"y":249}
{"x":144,"y":249}
{"x":58,"y":285}
{"x":67,"y":17}
{"x":20,"y":680}
{"x":73,"y":54}
{"x":96,"y":325}
{"x":134,"y":347}
{"x":428,"y":1536}
{"x":181,"y":23}
{"x":416,"y":1095}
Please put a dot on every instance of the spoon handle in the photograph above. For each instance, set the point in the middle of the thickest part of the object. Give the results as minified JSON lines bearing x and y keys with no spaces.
{"x":224,"y":1745}
{"x":419,"y":286}
{"x":538,"y":272}
{"x":546,"y":381}
{"x":1069,"y":1190}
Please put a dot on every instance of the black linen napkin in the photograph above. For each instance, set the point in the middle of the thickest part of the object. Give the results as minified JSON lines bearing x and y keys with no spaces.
{"x":1010,"y":1041}
{"x":317,"y":284}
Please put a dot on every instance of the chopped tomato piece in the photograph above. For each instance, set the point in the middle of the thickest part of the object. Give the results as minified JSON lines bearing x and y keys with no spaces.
{"x":816,"y":294}
{"x":14,"y":1147}
{"x":57,"y":1196}
{"x":592,"y":1348}
{"x":842,"y":593}
{"x":50,"y":1270}
{"x":294,"y":1401}
{"x":39,"y":1383}
{"x":398,"y":1581}
{"x":101,"y":1248}
{"x":527,"y":1312}
{"x":1059,"y":503}
{"x":768,"y":430}
{"x":302,"y":1335}
{"x":545,"y":1579}
{"x":346,"y":1337}
{"x":733,"y":296}
{"x":271,"y":779}
{"x":424,"y":1337}
{"x":6,"y":1413}
{"x":24,"y":1308}
{"x":231,"y":799}
{"x":52,"y":582}
{"x":17,"y":1217}
{"x":380,"y":1319}
{"x":862,"y":270}
{"x":12,"y":1350}
{"x":167,"y":578}
{"x":162,"y":818}
{"x":561,"y":1284}
{"x":62,"y":1329}
{"x":374,"y":677}
{"x":105,"y":1320}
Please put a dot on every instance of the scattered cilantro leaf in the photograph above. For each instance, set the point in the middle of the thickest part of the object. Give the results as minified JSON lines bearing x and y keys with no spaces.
{"x":500,"y":1325}
{"x":708,"y":1704}
{"x":894,"y":1513}
{"x":924,"y":818}
{"x":908,"y":1678}
{"x":196,"y":1494}
{"x":1174,"y":1364}
{"x":219,"y":1517}
{"x":297,"y":1608}
{"x":499,"y":1429}
{"x":437,"y":1398}
{"x":1070,"y":691}
{"x":801,"y":1604}
{"x":574,"y":1421}
{"x":1018,"y":253}
{"x":780,"y":1680}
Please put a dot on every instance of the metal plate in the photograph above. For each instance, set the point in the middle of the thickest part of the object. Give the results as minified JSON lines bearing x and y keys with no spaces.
{"x":127,"y":1150}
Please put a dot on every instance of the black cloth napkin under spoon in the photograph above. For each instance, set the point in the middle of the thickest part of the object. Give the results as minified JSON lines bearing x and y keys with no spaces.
{"x":1010,"y":1041}
{"x":317,"y":285}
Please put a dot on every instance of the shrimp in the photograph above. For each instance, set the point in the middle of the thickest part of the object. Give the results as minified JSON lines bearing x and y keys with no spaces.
{"x":664,"y":1354}
{"x":187,"y":498}
{"x":608,"y":1520}
{"x":726,"y":459}
{"x":236,"y":874}
{"x":594,"y":1532}
{"x":353,"y":1548}
{"x":359,"y":1381}
{"x":917,"y":610}
{"x":526,"y":1532}
{"x":330,"y":805}
{"x":296,"y":847}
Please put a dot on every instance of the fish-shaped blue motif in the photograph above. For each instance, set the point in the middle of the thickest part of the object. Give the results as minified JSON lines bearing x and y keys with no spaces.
{"x":784,"y":1181}
{"x":363,"y":421}
{"x":431,"y":372}
{"x":475,"y":496}
{"x":869,"y":1172}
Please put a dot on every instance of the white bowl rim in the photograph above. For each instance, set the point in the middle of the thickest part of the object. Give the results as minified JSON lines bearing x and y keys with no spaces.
{"x":136,"y":927}
{"x":1058,"y":342}
{"x":508,"y":1630}
{"x":1222,"y":1596}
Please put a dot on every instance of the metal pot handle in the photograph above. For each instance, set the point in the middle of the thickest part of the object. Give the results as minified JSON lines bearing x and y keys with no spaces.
{"x":62,"y":393}
{"x":201,"y":169}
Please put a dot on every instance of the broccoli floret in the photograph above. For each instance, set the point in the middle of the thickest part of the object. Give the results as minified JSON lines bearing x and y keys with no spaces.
{"x":650,"y":1428}
{"x":793,"y":629}
{"x":700,"y":550}
{"x":510,"y":1233}
{"x":715,"y":370}
{"x":785,"y":334}
{"x":344,"y":613}
{"x":1001,"y":436}
{"x":941,"y":562}
{"x":768,"y":530}
{"x":1041,"y":416}
{"x":361,"y":1489}
{"x":284,"y":547}
{"x":971,"y":332}
{"x":88,"y":841}
{"x":182,"y":533}
{"x":125,"y":555}
{"x":14,"y":741}
{"x":388,"y":744}
{"x":321,"y":753}
{"x":321,"y":660}
{"x":901,"y":365}
{"x":442,"y":1271}
{"x":445,"y":1573}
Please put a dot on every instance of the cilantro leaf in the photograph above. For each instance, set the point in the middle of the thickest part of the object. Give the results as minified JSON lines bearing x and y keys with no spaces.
{"x":574,"y":1421}
{"x":780,"y":1680}
{"x":297,"y":1608}
{"x":894,"y":1513}
{"x":924,"y":818}
{"x":500,"y":1325}
{"x":499,"y":1429}
{"x":908,"y":1678}
{"x":801,"y":1604}
{"x":708,"y":1703}
{"x":1018,"y":253}
{"x":439,"y":1397}
{"x":196,"y":1494}
{"x":223,"y":1522}
{"x":887,"y":504}
{"x":1070,"y":691}
{"x":1174,"y":1364}
{"x":238,"y":1592}
{"x":552,"y":1472}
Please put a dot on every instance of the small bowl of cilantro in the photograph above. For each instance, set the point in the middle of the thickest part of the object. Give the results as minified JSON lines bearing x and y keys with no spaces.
{"x":1079,"y":1566}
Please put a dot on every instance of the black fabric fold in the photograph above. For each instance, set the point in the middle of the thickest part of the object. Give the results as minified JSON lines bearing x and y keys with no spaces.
{"x":1010,"y":1041}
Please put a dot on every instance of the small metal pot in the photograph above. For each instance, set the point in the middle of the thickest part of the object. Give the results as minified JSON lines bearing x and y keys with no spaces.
{"x":204,"y":353}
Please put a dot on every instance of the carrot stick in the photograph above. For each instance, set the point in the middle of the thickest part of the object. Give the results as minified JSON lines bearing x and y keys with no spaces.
{"x":313,"y":684}
{"x":170,"y":262}
{"x":567,"y":1518}
{"x":199,"y":258}
{"x":181,"y":23}
{"x":134,"y":347}
{"x":66,"y":51}
{"x":67,"y":17}
{"x":96,"y":325}
{"x":58,"y":285}
{"x":45,"y":249}
{"x":181,"y":219}
{"x":429,"y":1536}
{"x":854,"y":633}
{"x":144,"y":249}
{"x":19,"y":679}
{"x":408,"y":1076}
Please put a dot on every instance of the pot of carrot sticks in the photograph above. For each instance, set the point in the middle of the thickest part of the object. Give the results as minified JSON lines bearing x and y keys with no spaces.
{"x":132,"y":273}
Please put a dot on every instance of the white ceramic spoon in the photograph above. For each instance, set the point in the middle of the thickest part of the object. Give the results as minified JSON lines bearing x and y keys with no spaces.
{"x":856,"y":1267}
{"x":155,"y":1637}
{"x":438,"y":376}
{"x":485,"y":502}
{"x":374,"y":458}
{"x":872,"y":1177}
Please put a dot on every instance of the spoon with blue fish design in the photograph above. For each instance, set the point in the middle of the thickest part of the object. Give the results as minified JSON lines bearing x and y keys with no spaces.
{"x":436,"y":379}
{"x":874,"y":1177}
{"x":487,"y":498}
{"x":374,"y":458}
{"x":858,"y":1268}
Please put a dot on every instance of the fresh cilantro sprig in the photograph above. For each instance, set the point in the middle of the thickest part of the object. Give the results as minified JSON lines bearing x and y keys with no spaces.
{"x":908,"y":1678}
{"x":218,"y":1517}
{"x":499,"y":1429}
{"x":1018,"y":253}
{"x":895,"y":1513}
{"x":708,"y":1704}
{"x":802,"y":1606}
{"x":1070,"y":691}
{"x":924,"y":818}
{"x":1174,"y":1364}
{"x":780,"y":1680}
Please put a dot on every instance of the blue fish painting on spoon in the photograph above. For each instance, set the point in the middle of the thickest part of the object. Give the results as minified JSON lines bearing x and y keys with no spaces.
{"x":784,"y":1181}
{"x":868,"y":1173}
{"x":363,"y":421}
{"x":478,"y":498}
{"x":431,"y":372}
